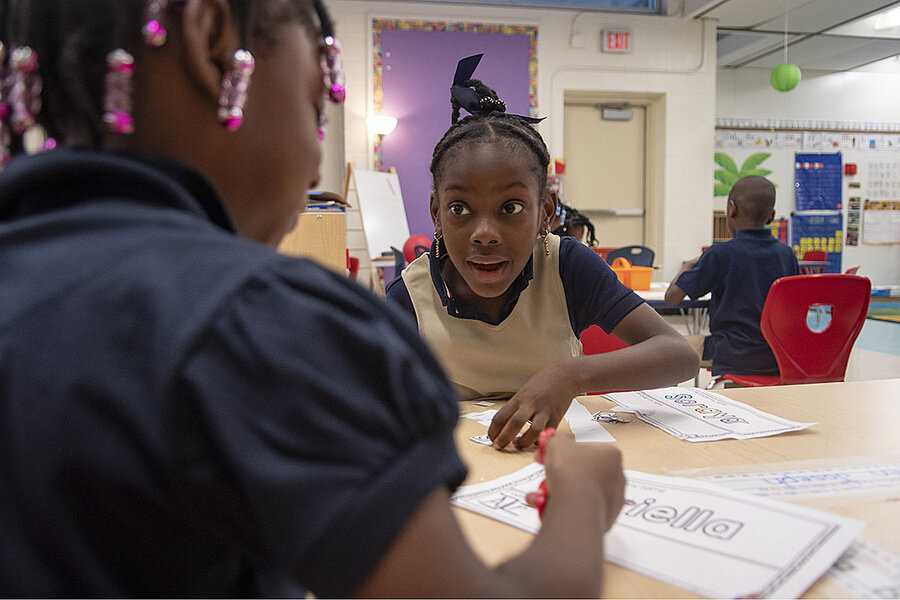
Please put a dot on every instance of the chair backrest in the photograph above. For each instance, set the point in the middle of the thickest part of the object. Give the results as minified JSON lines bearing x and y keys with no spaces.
{"x":805,"y":355}
{"x":416,"y":245}
{"x":596,"y":341}
{"x":815,"y":255}
{"x":852,"y":270}
{"x":353,"y":267}
{"x":639,"y":256}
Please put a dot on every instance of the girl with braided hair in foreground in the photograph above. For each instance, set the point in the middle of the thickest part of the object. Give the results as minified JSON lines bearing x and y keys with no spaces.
{"x":502,"y":301}
{"x":184,"y":411}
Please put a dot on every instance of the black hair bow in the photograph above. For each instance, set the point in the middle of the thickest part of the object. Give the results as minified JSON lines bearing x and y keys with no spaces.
{"x":468,"y":98}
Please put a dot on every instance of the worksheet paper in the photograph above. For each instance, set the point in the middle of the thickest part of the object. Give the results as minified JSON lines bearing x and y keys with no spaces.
{"x":692,"y":534}
{"x":864,"y":570}
{"x":583,"y":425}
{"x":879,"y":478}
{"x":868,"y":571}
{"x":698,"y":415}
{"x":482,"y":418}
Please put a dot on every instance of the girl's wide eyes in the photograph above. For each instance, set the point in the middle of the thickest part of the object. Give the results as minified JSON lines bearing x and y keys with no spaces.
{"x":512,"y":208}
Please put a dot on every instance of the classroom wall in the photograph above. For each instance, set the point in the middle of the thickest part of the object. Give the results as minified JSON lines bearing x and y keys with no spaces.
{"x":673,"y":60}
{"x":867,"y":95}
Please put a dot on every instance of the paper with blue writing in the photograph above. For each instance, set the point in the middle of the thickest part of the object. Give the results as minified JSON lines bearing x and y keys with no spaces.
{"x":699,"y":415}
{"x":871,"y":480}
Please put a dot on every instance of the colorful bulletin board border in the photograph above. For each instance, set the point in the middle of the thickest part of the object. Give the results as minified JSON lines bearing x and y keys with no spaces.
{"x":381,"y":25}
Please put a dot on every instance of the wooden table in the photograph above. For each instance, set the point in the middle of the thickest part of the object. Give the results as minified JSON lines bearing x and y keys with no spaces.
{"x":855,"y":419}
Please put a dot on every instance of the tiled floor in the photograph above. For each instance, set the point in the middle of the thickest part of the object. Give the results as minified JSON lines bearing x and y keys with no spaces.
{"x":875,"y":355}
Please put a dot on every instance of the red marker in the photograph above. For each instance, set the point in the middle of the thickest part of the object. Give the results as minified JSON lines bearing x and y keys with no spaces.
{"x":542,"y":494}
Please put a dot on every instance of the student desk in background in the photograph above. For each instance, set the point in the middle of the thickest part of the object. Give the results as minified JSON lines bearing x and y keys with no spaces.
{"x":655,"y":297}
{"x":855,"y":419}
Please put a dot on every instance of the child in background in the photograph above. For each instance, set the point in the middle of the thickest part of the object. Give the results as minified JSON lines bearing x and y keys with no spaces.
{"x":738,"y":273}
{"x":502,"y":301}
{"x":569,"y":221}
{"x":185,"y":412}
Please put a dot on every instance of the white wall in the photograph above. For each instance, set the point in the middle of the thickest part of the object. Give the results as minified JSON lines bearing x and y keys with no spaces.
{"x":673,"y":59}
{"x":865,"y":95}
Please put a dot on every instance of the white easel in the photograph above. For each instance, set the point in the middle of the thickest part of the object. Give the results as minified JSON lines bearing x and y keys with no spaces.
{"x":382,"y":214}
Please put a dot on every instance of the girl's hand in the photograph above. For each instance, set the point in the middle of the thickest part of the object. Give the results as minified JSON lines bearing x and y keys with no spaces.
{"x":541,"y":402}
{"x":589,"y":474}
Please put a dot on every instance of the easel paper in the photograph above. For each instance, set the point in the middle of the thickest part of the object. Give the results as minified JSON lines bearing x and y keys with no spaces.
{"x":697,"y":415}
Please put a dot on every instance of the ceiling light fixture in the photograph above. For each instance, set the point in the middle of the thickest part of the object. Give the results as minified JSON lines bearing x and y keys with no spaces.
{"x":785,"y":76}
{"x":888,"y":19}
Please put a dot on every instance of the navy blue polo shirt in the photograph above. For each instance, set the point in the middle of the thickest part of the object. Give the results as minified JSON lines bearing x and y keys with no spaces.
{"x":188,"y":413}
{"x":738,"y":274}
{"x":593,"y":293}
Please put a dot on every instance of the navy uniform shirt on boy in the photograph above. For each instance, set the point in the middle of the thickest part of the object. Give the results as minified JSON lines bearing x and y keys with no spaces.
{"x":738,"y":274}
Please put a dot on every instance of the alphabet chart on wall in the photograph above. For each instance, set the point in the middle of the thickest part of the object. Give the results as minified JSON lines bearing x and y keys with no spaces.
{"x":692,"y":534}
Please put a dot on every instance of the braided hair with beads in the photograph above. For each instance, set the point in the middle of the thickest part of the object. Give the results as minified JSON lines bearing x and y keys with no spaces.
{"x":489,"y":123}
{"x":74,"y":37}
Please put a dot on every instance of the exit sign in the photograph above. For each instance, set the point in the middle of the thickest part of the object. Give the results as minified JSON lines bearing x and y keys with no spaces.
{"x":616,"y":40}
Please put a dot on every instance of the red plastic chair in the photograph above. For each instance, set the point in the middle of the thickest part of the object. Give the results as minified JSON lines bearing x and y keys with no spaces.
{"x":804,"y":355}
{"x":415,"y":246}
{"x":813,"y":256}
{"x":596,"y":341}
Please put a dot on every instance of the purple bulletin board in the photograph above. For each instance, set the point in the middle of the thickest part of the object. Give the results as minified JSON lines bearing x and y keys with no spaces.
{"x":414,"y":62}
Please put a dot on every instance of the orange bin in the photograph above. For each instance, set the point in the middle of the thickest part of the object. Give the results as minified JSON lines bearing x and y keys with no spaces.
{"x":637,"y":278}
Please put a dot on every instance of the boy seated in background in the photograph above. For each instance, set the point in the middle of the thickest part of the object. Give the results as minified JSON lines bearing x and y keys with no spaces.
{"x":738,"y":274}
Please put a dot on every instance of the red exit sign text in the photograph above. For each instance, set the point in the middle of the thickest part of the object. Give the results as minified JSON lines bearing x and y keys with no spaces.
{"x":616,"y":40}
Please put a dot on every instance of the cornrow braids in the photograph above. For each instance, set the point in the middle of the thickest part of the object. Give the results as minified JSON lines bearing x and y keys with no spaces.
{"x":73,"y":37}
{"x":490,"y":124}
{"x":574,"y":218}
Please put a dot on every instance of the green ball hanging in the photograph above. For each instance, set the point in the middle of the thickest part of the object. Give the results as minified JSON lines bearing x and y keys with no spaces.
{"x":785,"y":77}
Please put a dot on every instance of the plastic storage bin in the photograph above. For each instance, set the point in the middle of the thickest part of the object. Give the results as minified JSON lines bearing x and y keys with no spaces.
{"x":637,"y":278}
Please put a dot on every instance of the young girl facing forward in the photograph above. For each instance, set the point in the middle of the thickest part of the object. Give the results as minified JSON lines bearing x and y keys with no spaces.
{"x":502,"y":301}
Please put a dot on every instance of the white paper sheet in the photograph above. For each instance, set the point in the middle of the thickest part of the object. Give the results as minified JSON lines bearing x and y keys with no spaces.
{"x":812,"y":483}
{"x":503,"y":499}
{"x":583,"y":425}
{"x":868,"y":572}
{"x":698,"y":415}
{"x":693,"y":534}
{"x":482,"y":418}
{"x":723,"y":544}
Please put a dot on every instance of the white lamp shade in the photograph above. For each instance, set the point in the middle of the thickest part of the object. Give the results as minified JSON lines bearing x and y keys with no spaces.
{"x":381,"y":124}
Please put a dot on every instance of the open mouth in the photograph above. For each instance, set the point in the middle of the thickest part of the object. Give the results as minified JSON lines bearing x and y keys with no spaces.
{"x":488,"y":272}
